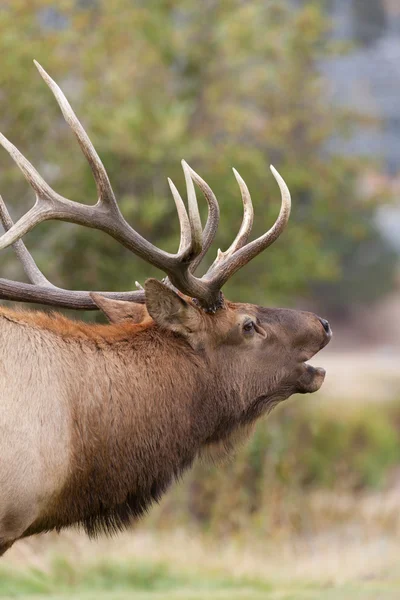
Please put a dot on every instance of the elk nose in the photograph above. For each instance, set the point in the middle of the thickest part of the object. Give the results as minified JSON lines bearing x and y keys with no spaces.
{"x":327,"y":327}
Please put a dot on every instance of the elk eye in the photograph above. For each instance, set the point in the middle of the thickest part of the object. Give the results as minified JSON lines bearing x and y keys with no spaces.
{"x":248,"y":326}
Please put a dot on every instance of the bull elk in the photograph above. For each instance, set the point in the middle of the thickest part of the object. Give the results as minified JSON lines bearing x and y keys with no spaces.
{"x":96,"y":420}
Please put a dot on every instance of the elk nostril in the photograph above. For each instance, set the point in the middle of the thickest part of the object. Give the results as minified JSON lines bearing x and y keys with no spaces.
{"x":326,"y":326}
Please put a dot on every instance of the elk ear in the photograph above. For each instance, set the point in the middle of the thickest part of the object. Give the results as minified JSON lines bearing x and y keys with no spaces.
{"x":169,"y":310}
{"x":120,"y":310}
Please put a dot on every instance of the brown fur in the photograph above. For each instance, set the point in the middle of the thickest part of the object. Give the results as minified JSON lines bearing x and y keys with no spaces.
{"x":97,"y":420}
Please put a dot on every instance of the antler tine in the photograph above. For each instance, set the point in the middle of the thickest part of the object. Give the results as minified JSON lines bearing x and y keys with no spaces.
{"x":31,"y":269}
{"x":248,"y":216}
{"x":222,"y":270}
{"x":103,"y":184}
{"x":194,"y":215}
{"x":247,"y":222}
{"x":37,"y":182}
{"x":211,"y":227}
{"x":43,"y":194}
{"x":186,"y":235}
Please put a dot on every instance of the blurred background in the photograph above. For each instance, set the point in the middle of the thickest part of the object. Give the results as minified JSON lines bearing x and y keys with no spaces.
{"x":310,"y":506}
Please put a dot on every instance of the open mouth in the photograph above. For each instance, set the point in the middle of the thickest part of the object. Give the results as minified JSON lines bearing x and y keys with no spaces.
{"x":311,"y":379}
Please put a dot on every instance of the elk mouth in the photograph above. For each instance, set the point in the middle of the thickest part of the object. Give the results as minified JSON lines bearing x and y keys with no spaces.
{"x":311,"y":379}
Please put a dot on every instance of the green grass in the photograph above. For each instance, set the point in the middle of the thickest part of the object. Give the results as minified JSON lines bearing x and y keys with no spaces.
{"x":119,"y":580}
{"x":365,"y":592}
{"x":123,"y":581}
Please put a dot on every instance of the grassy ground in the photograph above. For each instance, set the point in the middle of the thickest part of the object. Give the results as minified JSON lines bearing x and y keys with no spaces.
{"x":364,"y":592}
{"x":36,"y":586}
{"x":146,"y":581}
{"x":145,"y":565}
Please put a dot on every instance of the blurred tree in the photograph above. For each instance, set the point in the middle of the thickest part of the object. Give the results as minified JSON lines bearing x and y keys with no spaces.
{"x":220,"y":84}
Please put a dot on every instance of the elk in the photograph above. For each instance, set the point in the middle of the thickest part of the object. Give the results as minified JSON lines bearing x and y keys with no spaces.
{"x":97,"y":420}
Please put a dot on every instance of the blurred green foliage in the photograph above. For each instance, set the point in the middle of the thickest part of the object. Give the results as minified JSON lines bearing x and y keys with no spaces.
{"x":218,"y":83}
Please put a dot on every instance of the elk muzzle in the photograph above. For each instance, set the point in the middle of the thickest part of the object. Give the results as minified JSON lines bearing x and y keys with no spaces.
{"x":312,"y":378}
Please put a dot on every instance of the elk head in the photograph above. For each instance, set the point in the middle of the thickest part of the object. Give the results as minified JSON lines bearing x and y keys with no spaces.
{"x":259,"y":354}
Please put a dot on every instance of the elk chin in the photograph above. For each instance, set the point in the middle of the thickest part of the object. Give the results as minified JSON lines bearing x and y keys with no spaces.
{"x":311,"y":379}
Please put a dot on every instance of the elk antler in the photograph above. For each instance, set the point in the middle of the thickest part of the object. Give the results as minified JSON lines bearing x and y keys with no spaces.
{"x":106,"y":216}
{"x":42,"y":290}
{"x":240,"y":253}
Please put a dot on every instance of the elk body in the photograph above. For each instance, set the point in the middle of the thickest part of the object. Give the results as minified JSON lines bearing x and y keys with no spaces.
{"x":96,"y":421}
